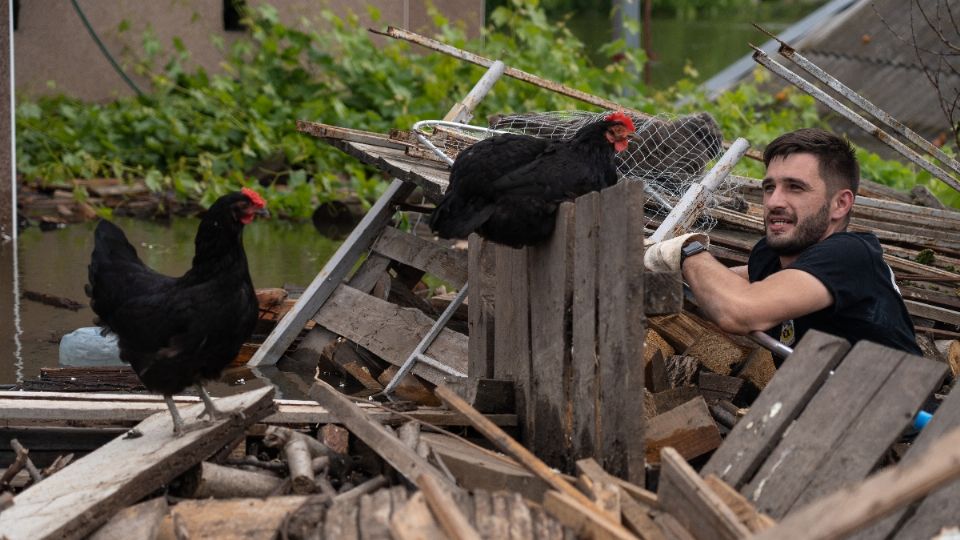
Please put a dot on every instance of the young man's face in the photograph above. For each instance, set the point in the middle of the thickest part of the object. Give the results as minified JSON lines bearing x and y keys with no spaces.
{"x":796,"y":205}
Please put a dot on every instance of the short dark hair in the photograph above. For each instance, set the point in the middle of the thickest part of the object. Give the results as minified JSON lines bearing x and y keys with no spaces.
{"x":838,"y":163}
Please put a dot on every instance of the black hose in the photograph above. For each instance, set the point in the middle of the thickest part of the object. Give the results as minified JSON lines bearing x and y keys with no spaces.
{"x":104,"y":50}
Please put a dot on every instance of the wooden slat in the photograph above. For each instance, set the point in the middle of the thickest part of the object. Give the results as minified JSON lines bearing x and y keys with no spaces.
{"x":820,"y":428}
{"x":481,"y":264}
{"x":756,"y":434}
{"x":689,"y":428}
{"x":447,"y":264}
{"x":848,"y":510}
{"x":414,"y":521}
{"x":73,"y":502}
{"x":662,"y":293}
{"x":621,"y":330}
{"x":511,"y":349}
{"x":250,"y":519}
{"x":127,"y":409}
{"x":940,"y":508}
{"x":583,"y":382}
{"x":689,"y":499}
{"x":401,"y":457}
{"x":551,"y":275}
{"x":326,"y":131}
{"x":430,"y":176}
{"x":878,"y":426}
{"x":391,"y":332}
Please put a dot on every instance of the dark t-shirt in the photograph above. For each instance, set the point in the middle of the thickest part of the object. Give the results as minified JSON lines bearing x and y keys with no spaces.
{"x":866,"y":301}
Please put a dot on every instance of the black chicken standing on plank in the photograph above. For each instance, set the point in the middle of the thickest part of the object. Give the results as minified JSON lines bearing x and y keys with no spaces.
{"x":507,"y":188}
{"x":179,"y":331}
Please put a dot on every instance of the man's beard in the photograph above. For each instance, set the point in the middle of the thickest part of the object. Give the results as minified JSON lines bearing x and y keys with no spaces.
{"x":806,"y":233}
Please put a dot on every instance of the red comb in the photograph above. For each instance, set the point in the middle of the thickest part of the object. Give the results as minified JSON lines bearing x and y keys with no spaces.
{"x":622,"y":118}
{"x":254,"y":197}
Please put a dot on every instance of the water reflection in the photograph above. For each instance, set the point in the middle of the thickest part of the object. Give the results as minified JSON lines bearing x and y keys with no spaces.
{"x":55,"y":263}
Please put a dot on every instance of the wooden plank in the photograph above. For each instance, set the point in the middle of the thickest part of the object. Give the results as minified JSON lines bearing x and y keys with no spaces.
{"x":590,"y":467}
{"x":478,"y":468}
{"x":848,"y":510}
{"x":586,"y":521}
{"x":481,"y":263}
{"x":373,"y":516}
{"x":391,"y":332}
{"x":511,"y":349}
{"x":635,"y":514}
{"x":819,"y":429}
{"x":935,"y":313}
{"x":583,"y":363}
{"x":444,"y":507}
{"x":447,"y":264}
{"x":138,"y":521}
{"x":402,"y":458}
{"x":621,"y":331}
{"x":326,"y":131}
{"x":689,"y":429}
{"x":127,"y":409}
{"x":329,"y":278}
{"x":520,"y":516}
{"x":756,"y":434}
{"x":685,"y":496}
{"x":371,"y":270}
{"x":754,"y":520}
{"x":551,"y":276}
{"x":341,"y":520}
{"x":878,"y":426}
{"x":430,"y":176}
{"x":70,"y":505}
{"x":486,"y":395}
{"x":937,"y":509}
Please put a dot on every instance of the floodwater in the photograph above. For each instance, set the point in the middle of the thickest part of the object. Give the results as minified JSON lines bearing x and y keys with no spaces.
{"x":279,"y":253}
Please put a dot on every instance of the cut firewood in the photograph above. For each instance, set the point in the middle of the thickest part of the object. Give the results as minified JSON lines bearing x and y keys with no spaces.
{"x":716,"y":388}
{"x":677,"y":371}
{"x":335,"y":438}
{"x":953,"y":358}
{"x":673,"y":398}
{"x":688,"y":428}
{"x":250,"y":519}
{"x":680,"y":330}
{"x":653,"y":343}
{"x":297,"y":455}
{"x":411,"y":388}
{"x":138,"y":521}
{"x":717,"y":352}
{"x":415,"y":521}
{"x":209,"y":480}
{"x":758,"y":368}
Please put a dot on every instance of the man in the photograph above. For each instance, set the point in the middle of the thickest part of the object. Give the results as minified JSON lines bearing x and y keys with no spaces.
{"x":807,"y":272}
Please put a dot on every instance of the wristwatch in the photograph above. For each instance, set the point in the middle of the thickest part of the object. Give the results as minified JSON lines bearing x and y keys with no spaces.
{"x":691,"y":249}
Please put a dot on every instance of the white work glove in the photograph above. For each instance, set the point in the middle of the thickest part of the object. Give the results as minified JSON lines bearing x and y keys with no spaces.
{"x":665,"y":256}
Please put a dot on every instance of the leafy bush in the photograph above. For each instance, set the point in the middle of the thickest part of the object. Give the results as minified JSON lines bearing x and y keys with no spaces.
{"x":199,"y":135}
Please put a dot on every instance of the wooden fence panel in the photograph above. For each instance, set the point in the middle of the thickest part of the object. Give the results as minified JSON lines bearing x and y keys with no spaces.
{"x":511,"y":347}
{"x":480,"y":320}
{"x":585,"y":392}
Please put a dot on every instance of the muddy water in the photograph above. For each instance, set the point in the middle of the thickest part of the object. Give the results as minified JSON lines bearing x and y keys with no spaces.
{"x":55,"y":263}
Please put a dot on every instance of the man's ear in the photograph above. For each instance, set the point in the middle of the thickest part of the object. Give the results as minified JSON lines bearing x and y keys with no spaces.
{"x":842,"y":203}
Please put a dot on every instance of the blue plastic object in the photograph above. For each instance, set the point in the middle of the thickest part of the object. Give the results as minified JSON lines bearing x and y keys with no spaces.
{"x":921,"y":420}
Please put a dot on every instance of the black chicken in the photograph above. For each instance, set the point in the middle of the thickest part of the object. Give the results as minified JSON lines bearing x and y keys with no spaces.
{"x":179,"y":331}
{"x":507,"y":188}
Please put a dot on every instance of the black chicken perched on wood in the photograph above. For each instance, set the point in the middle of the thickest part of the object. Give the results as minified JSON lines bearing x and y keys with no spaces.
{"x":507,"y":188}
{"x":179,"y":331}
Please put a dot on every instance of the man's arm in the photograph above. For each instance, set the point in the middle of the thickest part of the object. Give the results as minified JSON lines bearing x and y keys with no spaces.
{"x":739,"y":307}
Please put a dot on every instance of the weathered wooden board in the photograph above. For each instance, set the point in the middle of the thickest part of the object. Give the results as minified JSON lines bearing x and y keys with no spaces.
{"x":819,"y":429}
{"x":878,"y":426}
{"x":341,"y":520}
{"x":511,"y":349}
{"x":688,"y":498}
{"x":447,"y":264}
{"x":662,"y":293}
{"x":83,"y":409}
{"x":138,"y":521}
{"x":688,"y":428}
{"x":481,"y":268}
{"x":430,"y":176}
{"x":391,"y":332}
{"x":585,"y":392}
{"x":413,"y":521}
{"x":80,"y":497}
{"x":551,"y":276}
{"x":756,"y":434}
{"x":253,"y":519}
{"x":402,"y":458}
{"x":940,"y":508}
{"x":621,"y":329}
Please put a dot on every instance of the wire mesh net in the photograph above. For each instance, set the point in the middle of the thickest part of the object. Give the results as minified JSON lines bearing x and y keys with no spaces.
{"x":668,"y":152}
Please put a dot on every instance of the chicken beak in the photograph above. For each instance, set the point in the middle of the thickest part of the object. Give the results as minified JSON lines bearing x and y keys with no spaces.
{"x":262,"y":212}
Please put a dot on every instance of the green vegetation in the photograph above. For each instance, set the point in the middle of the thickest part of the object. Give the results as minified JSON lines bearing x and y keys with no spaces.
{"x":199,"y":135}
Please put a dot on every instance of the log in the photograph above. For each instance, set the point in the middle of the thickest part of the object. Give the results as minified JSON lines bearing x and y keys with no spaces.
{"x":209,"y":480}
{"x":250,"y":519}
{"x":410,"y":388}
{"x":335,"y":438}
{"x":688,"y":428}
{"x":297,"y":454}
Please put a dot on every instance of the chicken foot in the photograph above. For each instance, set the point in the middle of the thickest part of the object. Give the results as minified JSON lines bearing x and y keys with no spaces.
{"x":209,"y":409}
{"x":178,"y":427}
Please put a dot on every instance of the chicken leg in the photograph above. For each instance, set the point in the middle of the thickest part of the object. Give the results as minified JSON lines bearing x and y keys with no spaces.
{"x":209,"y":409}
{"x":178,"y":427}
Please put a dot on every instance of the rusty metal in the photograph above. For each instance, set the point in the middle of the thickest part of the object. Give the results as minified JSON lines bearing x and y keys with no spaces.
{"x":806,"y":86}
{"x":884,"y":117}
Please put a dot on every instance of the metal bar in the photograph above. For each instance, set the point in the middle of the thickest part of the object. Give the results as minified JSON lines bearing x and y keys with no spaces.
{"x":440,"y":366}
{"x":417,"y":353}
{"x":763,"y":59}
{"x":791,"y":54}
{"x":463,"y":112}
{"x":690,"y":206}
{"x":329,"y":278}
{"x":412,"y":37}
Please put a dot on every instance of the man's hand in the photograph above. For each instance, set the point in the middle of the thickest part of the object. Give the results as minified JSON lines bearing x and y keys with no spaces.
{"x":665,"y":256}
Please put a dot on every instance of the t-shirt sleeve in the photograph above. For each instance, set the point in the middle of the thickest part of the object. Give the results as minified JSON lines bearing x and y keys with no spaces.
{"x":843,"y":264}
